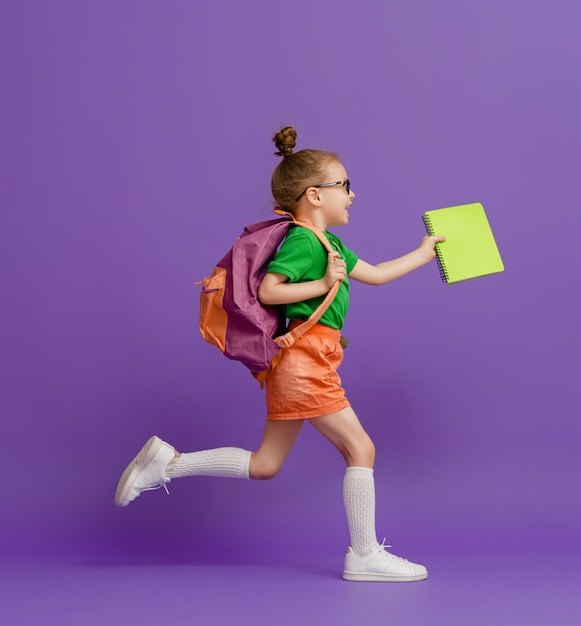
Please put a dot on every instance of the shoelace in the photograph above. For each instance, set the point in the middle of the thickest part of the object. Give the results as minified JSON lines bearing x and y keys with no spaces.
{"x":156,"y":487}
{"x":383,"y":547}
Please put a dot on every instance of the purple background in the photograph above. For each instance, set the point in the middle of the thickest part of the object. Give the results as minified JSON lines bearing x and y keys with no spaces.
{"x":134,"y":146}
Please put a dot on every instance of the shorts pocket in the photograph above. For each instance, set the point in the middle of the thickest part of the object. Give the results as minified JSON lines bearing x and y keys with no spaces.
{"x":333,"y":352}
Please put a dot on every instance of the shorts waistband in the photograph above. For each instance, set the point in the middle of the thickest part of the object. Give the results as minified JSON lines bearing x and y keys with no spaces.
{"x":318,"y":329}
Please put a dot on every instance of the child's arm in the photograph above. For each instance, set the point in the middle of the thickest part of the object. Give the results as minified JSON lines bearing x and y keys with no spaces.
{"x":390,"y":270}
{"x":275,"y":288}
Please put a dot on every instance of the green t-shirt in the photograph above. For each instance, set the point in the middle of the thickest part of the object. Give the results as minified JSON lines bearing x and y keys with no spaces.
{"x":302,"y":257}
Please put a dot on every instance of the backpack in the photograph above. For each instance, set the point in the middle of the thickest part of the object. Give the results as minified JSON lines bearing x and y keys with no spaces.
{"x":233,"y":319}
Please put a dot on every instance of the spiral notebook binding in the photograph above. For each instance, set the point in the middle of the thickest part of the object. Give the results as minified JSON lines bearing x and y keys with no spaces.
{"x":439,"y":260}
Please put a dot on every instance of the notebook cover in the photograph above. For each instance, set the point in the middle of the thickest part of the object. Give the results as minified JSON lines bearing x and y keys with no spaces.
{"x":470,"y":250}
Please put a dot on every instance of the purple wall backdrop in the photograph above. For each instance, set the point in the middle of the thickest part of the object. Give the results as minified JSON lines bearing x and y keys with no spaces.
{"x":135,"y":144}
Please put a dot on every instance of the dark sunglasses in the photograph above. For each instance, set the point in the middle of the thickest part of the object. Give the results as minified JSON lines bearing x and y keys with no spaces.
{"x":346,"y":183}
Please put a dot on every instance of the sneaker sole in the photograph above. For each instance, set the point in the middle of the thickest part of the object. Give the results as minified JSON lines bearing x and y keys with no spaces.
{"x":367,"y":577}
{"x":132,"y":471}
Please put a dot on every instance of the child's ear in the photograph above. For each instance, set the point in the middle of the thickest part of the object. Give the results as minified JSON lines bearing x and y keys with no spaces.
{"x":314,"y":196}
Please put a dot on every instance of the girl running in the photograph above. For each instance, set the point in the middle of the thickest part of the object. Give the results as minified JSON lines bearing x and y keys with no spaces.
{"x":305,"y":386}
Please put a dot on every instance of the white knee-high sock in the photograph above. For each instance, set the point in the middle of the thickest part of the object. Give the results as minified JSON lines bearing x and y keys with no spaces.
{"x":359,"y":500}
{"x":232,"y":462}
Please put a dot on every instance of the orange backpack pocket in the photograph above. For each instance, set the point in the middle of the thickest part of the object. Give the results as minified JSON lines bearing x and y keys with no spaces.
{"x":213,"y":317}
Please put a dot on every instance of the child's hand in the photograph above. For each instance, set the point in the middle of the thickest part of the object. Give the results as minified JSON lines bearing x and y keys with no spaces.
{"x":428,"y":245}
{"x":336,"y":269}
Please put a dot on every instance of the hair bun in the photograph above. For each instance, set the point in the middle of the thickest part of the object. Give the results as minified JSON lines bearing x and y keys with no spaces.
{"x":285,"y":141}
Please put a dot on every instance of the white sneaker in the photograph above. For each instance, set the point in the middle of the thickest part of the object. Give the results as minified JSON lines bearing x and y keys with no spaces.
{"x":145,"y":472}
{"x":381,"y":566}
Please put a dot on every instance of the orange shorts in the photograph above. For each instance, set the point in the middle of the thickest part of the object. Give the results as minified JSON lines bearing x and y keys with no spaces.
{"x":305,"y":382}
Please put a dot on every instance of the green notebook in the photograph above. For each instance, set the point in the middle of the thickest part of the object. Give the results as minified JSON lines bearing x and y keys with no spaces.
{"x":469,"y":250}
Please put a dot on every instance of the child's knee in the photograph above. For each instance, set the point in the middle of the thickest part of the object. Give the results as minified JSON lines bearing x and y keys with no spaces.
{"x":263,"y":470}
{"x":363,"y":453}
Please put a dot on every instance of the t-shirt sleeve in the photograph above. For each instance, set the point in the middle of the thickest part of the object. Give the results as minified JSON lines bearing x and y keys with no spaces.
{"x":348,"y":255}
{"x":294,"y":258}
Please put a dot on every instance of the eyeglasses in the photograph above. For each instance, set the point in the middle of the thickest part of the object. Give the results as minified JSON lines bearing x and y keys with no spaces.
{"x":345,"y":184}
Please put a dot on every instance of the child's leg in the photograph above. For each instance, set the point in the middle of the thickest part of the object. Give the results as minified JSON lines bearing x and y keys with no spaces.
{"x":366,"y":560}
{"x":277,"y":441}
{"x":344,"y":430}
{"x":157,"y":463}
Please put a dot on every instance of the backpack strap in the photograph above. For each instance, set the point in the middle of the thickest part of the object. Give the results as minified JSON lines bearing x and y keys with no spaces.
{"x":287,"y":340}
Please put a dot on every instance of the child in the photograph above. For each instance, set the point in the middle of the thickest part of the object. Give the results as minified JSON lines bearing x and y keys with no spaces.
{"x":313,"y":186}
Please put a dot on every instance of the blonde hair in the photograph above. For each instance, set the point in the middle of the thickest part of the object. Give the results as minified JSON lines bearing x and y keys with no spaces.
{"x":297,"y":170}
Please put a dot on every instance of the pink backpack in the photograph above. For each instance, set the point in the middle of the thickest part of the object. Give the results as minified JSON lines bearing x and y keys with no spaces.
{"x":231,"y":316}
